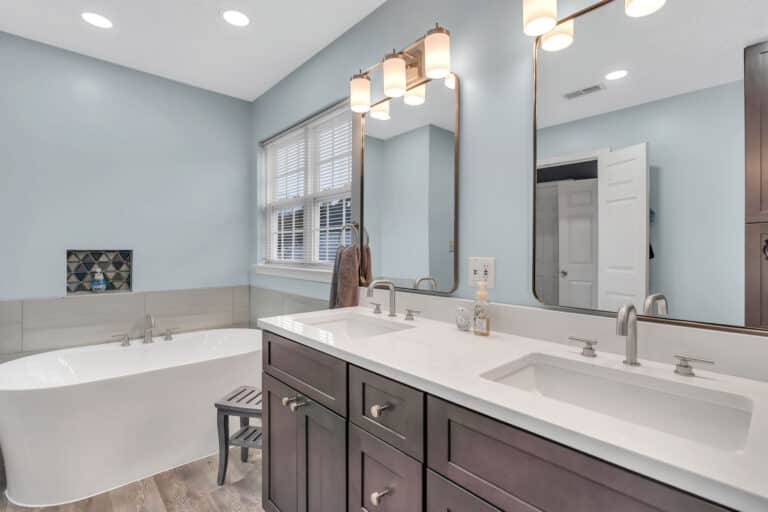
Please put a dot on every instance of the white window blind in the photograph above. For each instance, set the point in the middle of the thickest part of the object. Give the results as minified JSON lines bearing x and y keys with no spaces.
{"x":309,"y":176}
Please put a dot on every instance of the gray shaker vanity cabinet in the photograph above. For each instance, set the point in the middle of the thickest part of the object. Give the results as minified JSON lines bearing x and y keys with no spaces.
{"x":304,"y":452}
{"x":517,"y":471}
{"x":445,"y":496}
{"x":382,"y":478}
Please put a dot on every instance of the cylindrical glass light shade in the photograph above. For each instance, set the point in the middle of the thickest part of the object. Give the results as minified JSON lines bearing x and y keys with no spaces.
{"x":394,"y":75}
{"x":640,"y":8}
{"x":360,"y":94}
{"x":381,"y":111}
{"x":559,"y":38}
{"x":416,"y":95}
{"x":437,"y":53}
{"x":450,"y":81}
{"x":539,"y":16}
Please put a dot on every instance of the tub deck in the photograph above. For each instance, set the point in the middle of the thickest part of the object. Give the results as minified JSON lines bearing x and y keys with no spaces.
{"x":188,"y":488}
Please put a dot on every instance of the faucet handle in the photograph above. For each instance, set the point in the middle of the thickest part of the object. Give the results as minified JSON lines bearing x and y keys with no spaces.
{"x":684,"y":367}
{"x":588,"y":349}
{"x":376,"y":307}
{"x":168,"y":333}
{"x":125,"y":340}
{"x":410,"y":312}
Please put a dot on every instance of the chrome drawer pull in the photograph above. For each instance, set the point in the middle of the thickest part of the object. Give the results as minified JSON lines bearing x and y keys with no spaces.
{"x":295,"y":405}
{"x":288,"y":399}
{"x":376,"y":410}
{"x":376,"y":496}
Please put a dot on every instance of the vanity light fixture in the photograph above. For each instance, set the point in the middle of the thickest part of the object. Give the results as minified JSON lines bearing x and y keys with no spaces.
{"x":360,"y":93}
{"x":394,"y":74}
{"x":450,"y":81}
{"x":236,"y":18}
{"x":97,"y":20}
{"x":539,"y":16}
{"x":437,"y":52}
{"x":640,"y":8}
{"x":416,"y":96}
{"x":617,"y":75}
{"x":559,"y":38}
{"x":381,"y":111}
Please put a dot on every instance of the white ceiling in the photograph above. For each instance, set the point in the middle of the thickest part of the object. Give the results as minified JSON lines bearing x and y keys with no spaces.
{"x":187,"y":40}
{"x":439,"y":110}
{"x":688,"y":45}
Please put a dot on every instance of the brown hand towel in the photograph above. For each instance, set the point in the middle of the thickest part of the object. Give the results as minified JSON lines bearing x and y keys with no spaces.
{"x":347,"y":293}
{"x":335,"y":278}
{"x":366,"y":272}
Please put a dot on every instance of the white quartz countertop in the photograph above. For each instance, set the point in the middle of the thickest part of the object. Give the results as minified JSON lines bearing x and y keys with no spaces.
{"x":445,"y":362}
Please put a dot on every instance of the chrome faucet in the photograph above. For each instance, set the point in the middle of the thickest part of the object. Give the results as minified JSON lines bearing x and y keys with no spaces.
{"x":626,"y":325}
{"x":389,"y":285}
{"x":427,"y":279}
{"x":657,"y":302}
{"x":149,"y":325}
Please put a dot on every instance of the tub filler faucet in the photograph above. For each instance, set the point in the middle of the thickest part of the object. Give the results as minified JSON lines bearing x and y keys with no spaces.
{"x":149,"y":325}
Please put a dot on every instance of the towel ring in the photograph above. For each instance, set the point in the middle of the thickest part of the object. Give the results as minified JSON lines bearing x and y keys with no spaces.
{"x":355,"y":233}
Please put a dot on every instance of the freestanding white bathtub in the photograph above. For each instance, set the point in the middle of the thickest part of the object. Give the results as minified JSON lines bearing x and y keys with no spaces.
{"x":82,"y":421}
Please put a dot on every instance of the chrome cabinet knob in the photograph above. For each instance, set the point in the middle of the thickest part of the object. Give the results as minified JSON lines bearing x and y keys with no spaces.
{"x":296,"y":404}
{"x":376,"y":496}
{"x":288,"y":399}
{"x":377,"y":409}
{"x":564,"y":273}
{"x":684,"y":367}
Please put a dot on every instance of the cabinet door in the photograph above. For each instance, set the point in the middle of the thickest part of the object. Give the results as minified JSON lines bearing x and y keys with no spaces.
{"x":445,"y":496}
{"x":280,"y":456}
{"x":381,"y":478}
{"x":756,"y":117}
{"x":322,"y":460}
{"x":757,"y":275}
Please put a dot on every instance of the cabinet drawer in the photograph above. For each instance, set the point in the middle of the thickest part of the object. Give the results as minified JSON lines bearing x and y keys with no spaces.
{"x":318,"y":376}
{"x":506,"y":466}
{"x":445,"y":496}
{"x":387,"y":409}
{"x":375,"y":467}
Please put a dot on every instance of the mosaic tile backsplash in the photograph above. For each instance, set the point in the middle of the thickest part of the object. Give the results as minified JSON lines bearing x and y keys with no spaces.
{"x":82,"y":266}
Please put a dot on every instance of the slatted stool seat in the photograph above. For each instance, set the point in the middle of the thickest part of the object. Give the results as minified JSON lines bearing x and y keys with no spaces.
{"x":244,"y":402}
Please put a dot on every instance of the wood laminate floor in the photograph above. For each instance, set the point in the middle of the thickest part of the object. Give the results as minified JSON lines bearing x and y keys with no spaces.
{"x":190,"y":488}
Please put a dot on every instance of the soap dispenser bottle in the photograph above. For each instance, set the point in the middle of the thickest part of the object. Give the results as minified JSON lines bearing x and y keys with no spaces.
{"x":99,"y":284}
{"x":481,"y":324}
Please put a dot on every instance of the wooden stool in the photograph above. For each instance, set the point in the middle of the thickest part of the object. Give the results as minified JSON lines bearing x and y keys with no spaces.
{"x":244,"y":402}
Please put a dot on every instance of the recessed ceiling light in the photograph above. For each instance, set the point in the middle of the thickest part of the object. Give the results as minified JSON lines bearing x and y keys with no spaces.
{"x":617,"y":75}
{"x":97,"y":20}
{"x":236,"y":18}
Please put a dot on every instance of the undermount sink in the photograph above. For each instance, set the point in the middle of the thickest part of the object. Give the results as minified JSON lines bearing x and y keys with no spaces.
{"x":715,"y":418}
{"x":355,"y":325}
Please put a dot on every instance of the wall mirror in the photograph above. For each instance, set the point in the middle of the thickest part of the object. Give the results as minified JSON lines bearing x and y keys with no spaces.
{"x":409,"y":170}
{"x":640,"y":163}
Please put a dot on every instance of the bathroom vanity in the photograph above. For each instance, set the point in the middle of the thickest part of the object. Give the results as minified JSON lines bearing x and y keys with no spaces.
{"x":369,"y":413}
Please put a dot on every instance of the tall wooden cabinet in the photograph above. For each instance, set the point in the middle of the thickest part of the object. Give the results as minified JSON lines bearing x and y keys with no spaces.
{"x":756,"y":118}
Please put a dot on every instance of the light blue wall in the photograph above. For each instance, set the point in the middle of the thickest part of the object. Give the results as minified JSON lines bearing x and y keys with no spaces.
{"x":94,"y":155}
{"x":399,"y":185}
{"x":441,"y":205}
{"x":494,"y":59}
{"x":696,"y":155}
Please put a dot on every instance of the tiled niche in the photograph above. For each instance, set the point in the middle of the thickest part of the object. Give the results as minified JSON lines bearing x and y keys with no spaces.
{"x":82,"y":265}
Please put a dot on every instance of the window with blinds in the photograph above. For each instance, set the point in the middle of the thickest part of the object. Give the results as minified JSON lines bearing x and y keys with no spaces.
{"x":309,"y":175}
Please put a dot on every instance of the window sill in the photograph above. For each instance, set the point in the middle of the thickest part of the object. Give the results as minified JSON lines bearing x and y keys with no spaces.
{"x":316,"y":274}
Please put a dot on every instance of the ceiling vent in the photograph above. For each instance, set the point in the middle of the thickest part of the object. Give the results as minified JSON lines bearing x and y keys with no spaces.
{"x":583,"y":92}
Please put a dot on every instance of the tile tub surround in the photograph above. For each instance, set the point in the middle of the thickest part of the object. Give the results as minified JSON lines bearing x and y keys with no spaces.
{"x":47,"y":324}
{"x":437,"y":358}
{"x":741,"y":355}
{"x":117,"y":267}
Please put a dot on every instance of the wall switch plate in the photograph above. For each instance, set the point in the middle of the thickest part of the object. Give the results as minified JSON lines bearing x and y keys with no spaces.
{"x":482,"y":269}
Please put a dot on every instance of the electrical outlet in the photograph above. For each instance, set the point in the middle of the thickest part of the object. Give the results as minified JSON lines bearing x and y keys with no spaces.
{"x":482,"y":269}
